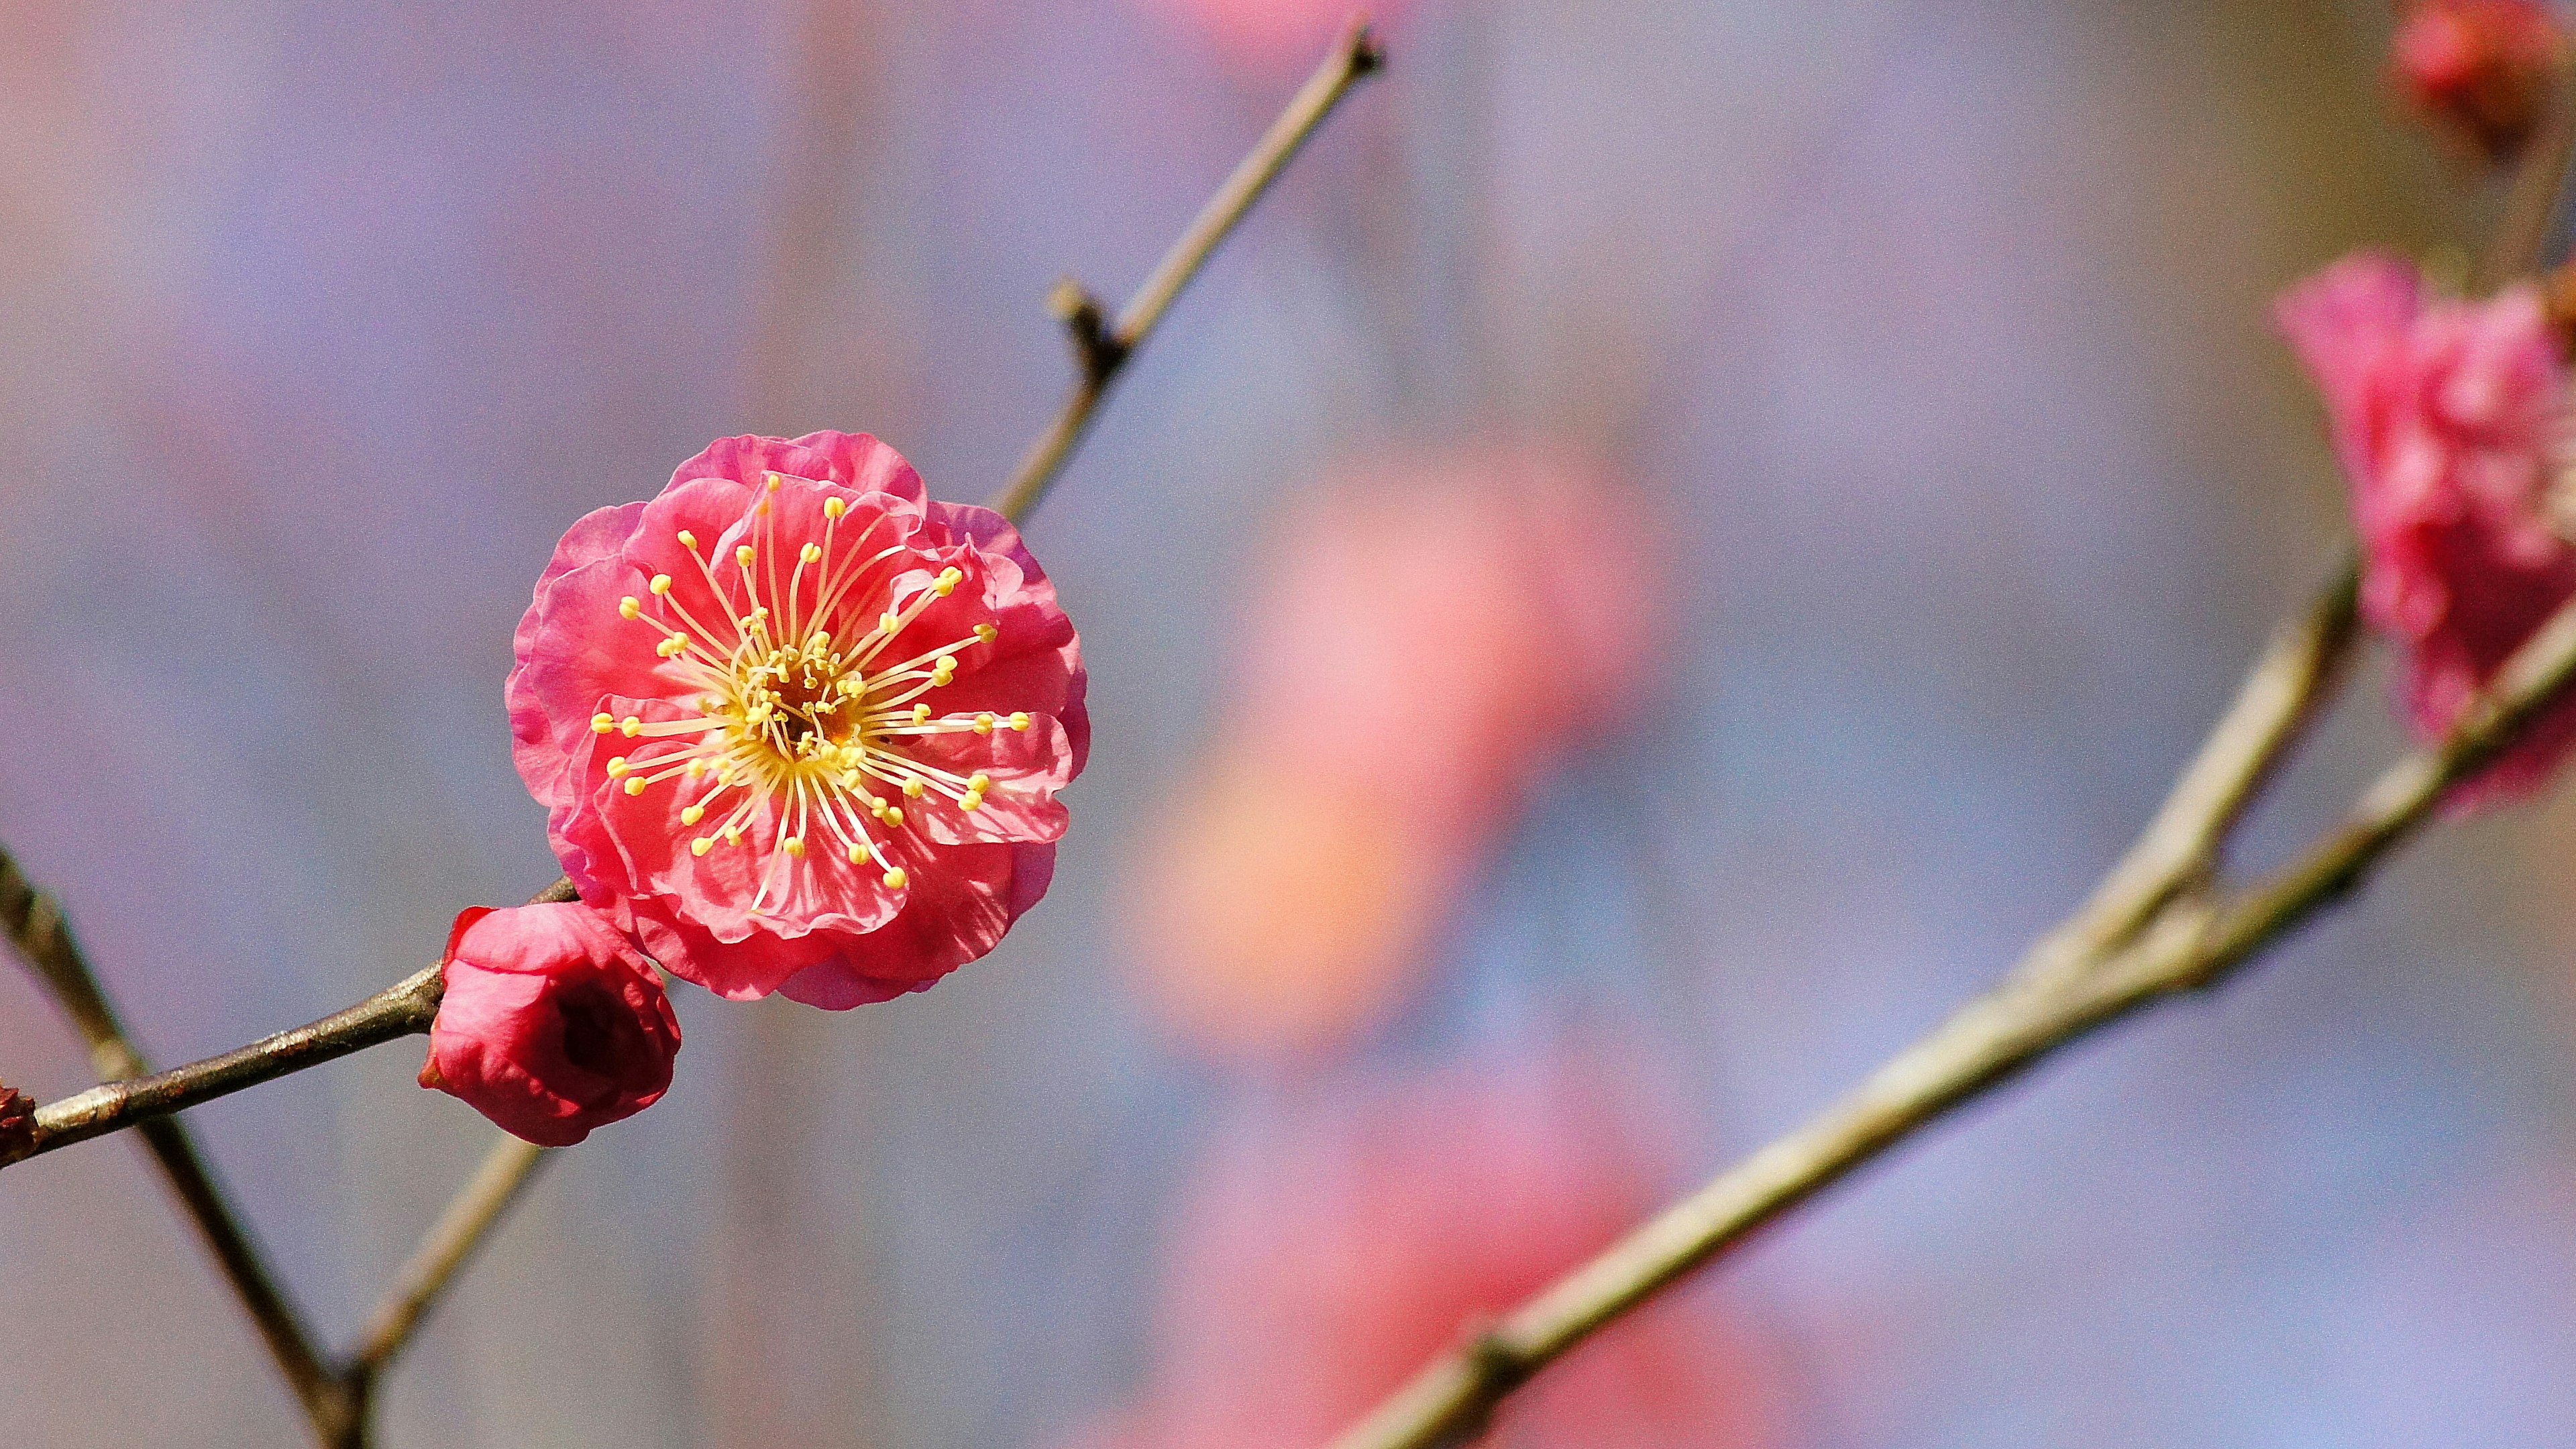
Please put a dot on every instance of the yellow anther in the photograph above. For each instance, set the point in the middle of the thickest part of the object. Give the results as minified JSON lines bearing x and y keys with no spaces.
{"x":773,"y":482}
{"x":835,"y":507}
{"x":1020,"y":720}
{"x":944,"y":670}
{"x":629,"y":608}
{"x":946,"y":583}
{"x":979,"y":782}
{"x":988,"y":632}
{"x":688,"y":540}
{"x":697,"y":771}
{"x":822,"y":639}
{"x":732,"y":834}
{"x":701,"y":845}
{"x":912,"y":788}
{"x":661,"y":584}
{"x":858,"y":853}
{"x":692,"y":814}
{"x":984,"y":723}
{"x":742,"y":554}
{"x":889,"y":621}
{"x":809,"y":553}
{"x":630,"y":727}
{"x":793,"y":845}
{"x":921,"y":714}
{"x":635,"y":786}
{"x":849,"y":779}
{"x":895,"y":878}
{"x":602,"y":722}
{"x":673,"y":647}
{"x":890,"y":816}
{"x":616,"y":766}
{"x":971,"y":800}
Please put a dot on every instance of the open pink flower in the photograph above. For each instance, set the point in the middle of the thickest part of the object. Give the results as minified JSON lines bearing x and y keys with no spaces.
{"x":798,"y":726}
{"x":2448,"y":417}
{"x":2483,"y":67}
{"x":1323,"y":1259}
{"x":552,"y":1023}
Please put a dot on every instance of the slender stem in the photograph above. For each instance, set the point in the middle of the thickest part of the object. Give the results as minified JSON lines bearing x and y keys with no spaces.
{"x":1103,"y":351}
{"x":504,"y":1174}
{"x":37,"y":929}
{"x":2538,"y":189}
{"x":405,"y":1008}
{"x":2075,"y":980}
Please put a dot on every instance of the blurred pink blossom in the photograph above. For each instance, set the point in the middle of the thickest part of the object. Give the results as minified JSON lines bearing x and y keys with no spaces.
{"x":798,"y":725}
{"x":1265,"y":35}
{"x":1430,"y":636}
{"x":2449,"y":418}
{"x":2483,"y":67}
{"x":552,"y":1023}
{"x":1321,"y":1260}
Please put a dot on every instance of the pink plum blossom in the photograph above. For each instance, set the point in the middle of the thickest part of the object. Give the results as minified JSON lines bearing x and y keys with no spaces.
{"x":798,"y":726}
{"x":1430,"y":635}
{"x":1324,"y":1258}
{"x":1266,"y":35}
{"x":2486,"y":68}
{"x":2448,"y":417}
{"x":552,"y":1023}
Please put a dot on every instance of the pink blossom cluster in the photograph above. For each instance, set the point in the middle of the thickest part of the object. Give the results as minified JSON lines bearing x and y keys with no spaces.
{"x":798,"y":728}
{"x":1430,"y":636}
{"x":2450,"y":420}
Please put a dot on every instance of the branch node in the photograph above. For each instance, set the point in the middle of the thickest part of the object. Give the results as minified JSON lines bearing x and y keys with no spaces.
{"x":1098,"y":349}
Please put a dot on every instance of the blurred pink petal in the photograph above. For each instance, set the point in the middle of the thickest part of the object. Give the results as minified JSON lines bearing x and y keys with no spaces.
{"x":2449,"y":418}
{"x":1321,"y":1261}
{"x":1431,"y":636}
{"x":1264,"y":35}
{"x":2483,"y":67}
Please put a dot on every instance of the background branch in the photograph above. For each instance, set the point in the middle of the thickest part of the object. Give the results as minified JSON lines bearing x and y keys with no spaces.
{"x":2092,"y":971}
{"x":1103,"y":351}
{"x":470,"y":1215}
{"x":43,"y":939}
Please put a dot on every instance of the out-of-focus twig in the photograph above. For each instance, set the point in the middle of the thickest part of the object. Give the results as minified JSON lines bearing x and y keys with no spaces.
{"x":470,"y":1215}
{"x":1102,"y":348}
{"x":2157,"y":927}
{"x":2538,"y":191}
{"x":36,"y":927}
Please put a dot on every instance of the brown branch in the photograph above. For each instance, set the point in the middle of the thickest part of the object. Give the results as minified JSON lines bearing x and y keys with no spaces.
{"x":37,"y":929}
{"x":405,"y":1008}
{"x":505,"y":1173}
{"x":2153,"y":930}
{"x":1101,"y":350}
{"x":2538,"y":189}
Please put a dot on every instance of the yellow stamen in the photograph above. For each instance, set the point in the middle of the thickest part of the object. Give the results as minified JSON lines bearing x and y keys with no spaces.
{"x":895,"y":878}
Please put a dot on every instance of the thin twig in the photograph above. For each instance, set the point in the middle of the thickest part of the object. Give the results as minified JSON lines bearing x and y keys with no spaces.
{"x":1103,"y":351}
{"x":2537,"y":192}
{"x":405,"y":1008}
{"x":37,"y":929}
{"x":2186,"y":941}
{"x":495,"y":1185}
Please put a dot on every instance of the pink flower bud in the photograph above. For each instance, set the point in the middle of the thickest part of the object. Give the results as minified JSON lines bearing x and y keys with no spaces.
{"x":2483,"y":67}
{"x":552,"y":1023}
{"x":17,"y":1124}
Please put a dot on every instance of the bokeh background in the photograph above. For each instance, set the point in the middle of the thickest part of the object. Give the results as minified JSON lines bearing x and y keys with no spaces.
{"x":1880,"y":403}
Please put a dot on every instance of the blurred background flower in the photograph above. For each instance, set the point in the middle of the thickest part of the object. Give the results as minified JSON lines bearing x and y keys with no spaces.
{"x":1425,"y":640}
{"x":1331,"y":1245}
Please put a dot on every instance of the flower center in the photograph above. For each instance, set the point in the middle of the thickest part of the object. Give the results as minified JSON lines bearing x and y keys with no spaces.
{"x":792,"y":719}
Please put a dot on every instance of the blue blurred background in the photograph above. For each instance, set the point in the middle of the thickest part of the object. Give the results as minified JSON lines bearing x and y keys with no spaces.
{"x":1938,"y":329}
